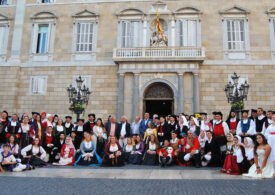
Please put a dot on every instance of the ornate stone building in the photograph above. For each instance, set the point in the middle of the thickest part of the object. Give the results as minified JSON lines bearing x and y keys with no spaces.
{"x":114,"y":45}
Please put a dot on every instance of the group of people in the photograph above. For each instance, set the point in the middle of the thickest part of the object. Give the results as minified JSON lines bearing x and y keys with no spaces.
{"x":239,"y":146}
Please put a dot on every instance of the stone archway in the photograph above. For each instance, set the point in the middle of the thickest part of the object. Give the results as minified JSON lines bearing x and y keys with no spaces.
{"x":158,"y":98}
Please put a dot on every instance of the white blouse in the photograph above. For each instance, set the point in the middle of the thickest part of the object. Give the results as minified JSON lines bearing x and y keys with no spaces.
{"x":25,"y":128}
{"x":152,"y":147}
{"x":113,"y":148}
{"x":59,"y":128}
{"x":128,"y":148}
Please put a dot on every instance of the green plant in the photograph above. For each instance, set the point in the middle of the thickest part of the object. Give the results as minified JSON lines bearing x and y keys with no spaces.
{"x":237,"y":106}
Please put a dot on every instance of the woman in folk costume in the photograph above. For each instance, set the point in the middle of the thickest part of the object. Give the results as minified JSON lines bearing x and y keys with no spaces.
{"x":87,"y":154}
{"x":183,"y":127}
{"x":34,"y":154}
{"x":27,"y":133}
{"x":246,"y":126}
{"x":263,"y":166}
{"x":150,"y":156}
{"x":100,"y":134}
{"x":127,"y":150}
{"x":175,"y":143}
{"x":166,"y":154}
{"x":136,"y":155}
{"x":48,"y":122}
{"x":202,"y":139}
{"x":151,"y":130}
{"x":3,"y":125}
{"x":14,"y":147}
{"x":206,"y":125}
{"x":38,"y":128}
{"x":194,"y":126}
{"x":113,"y":153}
{"x":48,"y":143}
{"x":249,"y":150}
{"x":235,"y":162}
{"x":9,"y":162}
{"x":59,"y":128}
{"x":270,"y":136}
{"x":232,"y":122}
{"x":67,"y":153}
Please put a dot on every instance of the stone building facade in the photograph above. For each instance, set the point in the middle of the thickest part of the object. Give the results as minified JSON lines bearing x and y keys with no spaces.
{"x":113,"y":44}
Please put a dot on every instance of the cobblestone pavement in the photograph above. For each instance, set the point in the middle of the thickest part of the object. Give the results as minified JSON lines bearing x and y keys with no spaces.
{"x":38,"y":182}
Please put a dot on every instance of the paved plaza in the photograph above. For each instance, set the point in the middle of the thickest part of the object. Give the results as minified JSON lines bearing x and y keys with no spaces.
{"x":131,"y":180}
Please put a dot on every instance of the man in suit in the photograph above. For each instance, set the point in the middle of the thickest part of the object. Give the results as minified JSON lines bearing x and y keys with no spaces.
{"x":112,"y":127}
{"x":124,"y":131}
{"x":144,"y":124}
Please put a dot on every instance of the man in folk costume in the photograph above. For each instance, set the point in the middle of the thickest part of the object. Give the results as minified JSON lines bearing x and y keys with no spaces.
{"x":172,"y":126}
{"x":89,"y":125}
{"x":79,"y":131}
{"x":260,"y":120}
{"x":166,"y":154}
{"x":232,"y":122}
{"x":268,"y":121}
{"x":220,"y":131}
{"x":13,"y":128}
{"x":246,"y":126}
{"x":213,"y":121}
{"x":68,"y":125}
{"x":190,"y":151}
{"x":162,"y":130}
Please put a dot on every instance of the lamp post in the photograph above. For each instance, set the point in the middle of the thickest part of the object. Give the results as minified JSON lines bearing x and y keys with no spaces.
{"x":78,"y":96}
{"x":236,"y":95}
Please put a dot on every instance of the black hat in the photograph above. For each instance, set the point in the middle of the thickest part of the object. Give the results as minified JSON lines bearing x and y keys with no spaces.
{"x":247,"y":111}
{"x":91,"y":115}
{"x":33,"y":113}
{"x":273,"y":112}
{"x":173,"y":116}
{"x":80,"y":120}
{"x":162,"y":116}
{"x":203,"y":113}
{"x":219,"y":113}
{"x":233,"y":110}
{"x":68,"y":117}
{"x":214,"y":113}
{"x":157,"y":118}
{"x":253,"y":111}
{"x":5,"y":112}
{"x":55,"y":115}
{"x":270,"y":111}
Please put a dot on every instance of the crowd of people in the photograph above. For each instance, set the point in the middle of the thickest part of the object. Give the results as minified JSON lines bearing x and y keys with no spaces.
{"x":239,"y":146}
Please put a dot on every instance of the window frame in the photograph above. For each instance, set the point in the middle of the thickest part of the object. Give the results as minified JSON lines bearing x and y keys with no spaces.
{"x":197,"y":35}
{"x":91,"y":44}
{"x":36,"y":79}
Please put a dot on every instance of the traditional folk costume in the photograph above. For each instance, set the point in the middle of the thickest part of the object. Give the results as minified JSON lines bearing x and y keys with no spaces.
{"x":127,"y":150}
{"x":47,"y":123}
{"x":267,"y":171}
{"x":136,"y":155}
{"x":89,"y":126}
{"x":58,"y":129}
{"x":14,"y":149}
{"x":246,"y":126}
{"x":206,"y":126}
{"x":235,"y":162}
{"x":163,"y":131}
{"x":183,"y":127}
{"x":175,"y":145}
{"x":38,"y":155}
{"x":260,"y":121}
{"x":100,"y":144}
{"x":185,"y":157}
{"x":212,"y":153}
{"x":38,"y":130}
{"x":27,"y":135}
{"x":110,"y":152}
{"x":79,"y":135}
{"x":150,"y":159}
{"x":270,"y":136}
{"x":266,"y":124}
{"x":249,"y":150}
{"x":3,"y":126}
{"x":48,"y":145}
{"x":58,"y":144}
{"x":13,"y":128}
{"x":67,"y":155}
{"x":195,"y":128}
{"x":9,"y":157}
{"x":147,"y":135}
{"x":232,"y":124}
{"x":166,"y":155}
{"x":87,"y":154}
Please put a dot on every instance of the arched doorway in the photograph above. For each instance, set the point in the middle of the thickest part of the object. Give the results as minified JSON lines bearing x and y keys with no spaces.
{"x":158,"y":99}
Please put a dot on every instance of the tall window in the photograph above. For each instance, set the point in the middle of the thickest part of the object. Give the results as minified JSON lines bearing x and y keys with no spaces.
{"x":235,"y":35}
{"x":3,"y":2}
{"x":188,"y":32}
{"x":130,"y":34}
{"x":273,"y":20}
{"x":47,"y":1}
{"x":38,"y":85}
{"x":85,"y":37}
{"x":42,"y":39}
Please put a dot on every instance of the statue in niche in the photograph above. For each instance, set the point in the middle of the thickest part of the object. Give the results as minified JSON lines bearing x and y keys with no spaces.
{"x":156,"y":39}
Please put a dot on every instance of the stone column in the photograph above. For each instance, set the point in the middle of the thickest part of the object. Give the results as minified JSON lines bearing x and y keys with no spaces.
{"x":18,"y":30}
{"x":180,"y":93}
{"x":196,"y":92}
{"x":120,"y":96}
{"x":135,"y":102}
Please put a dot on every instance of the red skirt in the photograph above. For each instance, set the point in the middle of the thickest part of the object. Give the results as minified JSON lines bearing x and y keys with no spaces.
{"x":230,"y":166}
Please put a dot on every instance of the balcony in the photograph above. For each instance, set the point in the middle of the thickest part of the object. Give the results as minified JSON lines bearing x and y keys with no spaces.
{"x":159,"y":54}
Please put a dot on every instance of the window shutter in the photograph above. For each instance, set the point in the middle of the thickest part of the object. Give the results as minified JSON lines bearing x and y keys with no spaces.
{"x":119,"y":34}
{"x":169,"y":33}
{"x":178,"y":38}
{"x":225,"y":36}
{"x":49,"y":35}
{"x":2,"y":39}
{"x":34,"y":38}
{"x":198,"y":22}
{"x":140,"y":33}
{"x":246,"y":35}
{"x":94,"y":43}
{"x":134,"y":34}
{"x":74,"y":46}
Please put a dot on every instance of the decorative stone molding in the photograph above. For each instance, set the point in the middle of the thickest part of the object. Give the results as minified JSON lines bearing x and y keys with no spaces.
{"x":4,"y":17}
{"x":86,"y":15}
{"x":234,"y":10}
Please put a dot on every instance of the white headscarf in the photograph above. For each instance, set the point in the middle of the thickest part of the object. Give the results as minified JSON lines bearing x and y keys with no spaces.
{"x":202,"y":140}
{"x":185,"y":122}
{"x":249,"y":148}
{"x":196,"y":121}
{"x":250,"y":142}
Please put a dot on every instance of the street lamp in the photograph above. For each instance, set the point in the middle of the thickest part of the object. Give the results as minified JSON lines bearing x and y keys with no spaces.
{"x":236,"y":95}
{"x":78,"y":96}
